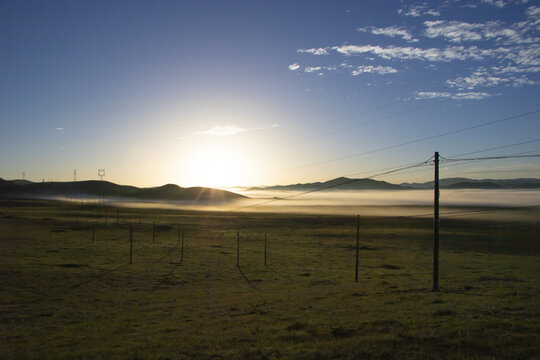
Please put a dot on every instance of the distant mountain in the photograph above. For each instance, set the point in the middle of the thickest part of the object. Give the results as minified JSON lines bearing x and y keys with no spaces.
{"x":465,"y":183}
{"x":341,"y":183}
{"x":95,"y":188}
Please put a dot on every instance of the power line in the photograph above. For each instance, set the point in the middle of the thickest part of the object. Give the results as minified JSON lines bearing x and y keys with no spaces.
{"x":343,"y":119}
{"x":462,"y":212}
{"x":350,"y":181}
{"x":372,"y":121}
{"x":493,"y":158}
{"x":469,"y":153}
{"x":497,"y":148}
{"x":446,"y":165}
{"x":414,"y":141}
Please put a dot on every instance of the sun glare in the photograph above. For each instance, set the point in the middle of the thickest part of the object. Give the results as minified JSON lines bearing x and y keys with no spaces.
{"x":217,"y":165}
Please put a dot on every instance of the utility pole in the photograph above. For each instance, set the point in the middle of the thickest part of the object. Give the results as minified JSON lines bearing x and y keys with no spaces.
{"x":264,"y":249}
{"x":436,"y":226}
{"x":75,"y":175}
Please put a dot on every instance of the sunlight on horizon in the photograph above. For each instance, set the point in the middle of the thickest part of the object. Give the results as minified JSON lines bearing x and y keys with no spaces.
{"x":215,"y":164}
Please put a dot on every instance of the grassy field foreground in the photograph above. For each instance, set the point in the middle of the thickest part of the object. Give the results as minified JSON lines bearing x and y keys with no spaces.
{"x":64,"y":295}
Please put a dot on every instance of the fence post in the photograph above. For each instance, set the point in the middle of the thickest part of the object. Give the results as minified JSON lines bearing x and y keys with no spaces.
{"x":130,"y":243}
{"x":264,"y":249}
{"x":436,"y":226}
{"x":238,"y":248}
{"x":182,"y":249}
{"x":357,"y":246}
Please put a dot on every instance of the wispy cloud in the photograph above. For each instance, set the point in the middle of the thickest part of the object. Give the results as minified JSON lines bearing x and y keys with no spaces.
{"x":417,"y":11}
{"x":494,"y":76}
{"x":391,"y":31}
{"x":294,"y":67}
{"x":509,"y":53}
{"x":415,"y":53}
{"x":232,"y":129}
{"x":314,"y":51}
{"x":225,"y":130}
{"x":311,"y":69}
{"x":420,"y":95}
{"x":458,"y":31}
{"x":497,"y":3}
{"x":381,"y":70}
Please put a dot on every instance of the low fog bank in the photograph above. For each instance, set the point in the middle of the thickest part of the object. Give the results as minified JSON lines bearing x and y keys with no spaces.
{"x":448,"y":197}
{"x":483,"y":203}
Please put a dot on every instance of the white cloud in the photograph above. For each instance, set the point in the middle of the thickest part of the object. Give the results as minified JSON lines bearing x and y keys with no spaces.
{"x":533,"y":11}
{"x":391,"y":31}
{"x":458,"y":31}
{"x":471,"y":96}
{"x":311,"y":69}
{"x":497,"y":3}
{"x":231,"y":129}
{"x":294,"y":67}
{"x":60,"y":129}
{"x":314,"y":51}
{"x":495,"y":76}
{"x":381,"y":70}
{"x":410,"y":53}
{"x":420,"y":95}
{"x":454,"y":31}
{"x":226,"y":130}
{"x":417,"y":11}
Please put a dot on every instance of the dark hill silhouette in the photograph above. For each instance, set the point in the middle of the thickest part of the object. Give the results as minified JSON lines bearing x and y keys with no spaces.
{"x":335,"y":184}
{"x":465,"y":183}
{"x":175,"y":192}
{"x":474,"y":185}
{"x":95,"y":188}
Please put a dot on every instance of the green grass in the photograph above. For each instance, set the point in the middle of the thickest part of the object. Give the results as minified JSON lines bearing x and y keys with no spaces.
{"x":65,"y":296}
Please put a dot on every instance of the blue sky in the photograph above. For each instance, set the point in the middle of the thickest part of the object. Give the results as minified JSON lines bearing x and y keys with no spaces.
{"x":221,"y":93}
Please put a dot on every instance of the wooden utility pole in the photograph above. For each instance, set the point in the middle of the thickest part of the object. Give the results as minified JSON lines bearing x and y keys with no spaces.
{"x":357,"y":247}
{"x":238,"y":248}
{"x":436,"y":226}
{"x":264,"y":249}
{"x":154,"y":231}
{"x":130,"y":243}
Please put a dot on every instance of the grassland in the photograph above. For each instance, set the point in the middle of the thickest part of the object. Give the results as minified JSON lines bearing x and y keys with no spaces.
{"x":66,"y":296}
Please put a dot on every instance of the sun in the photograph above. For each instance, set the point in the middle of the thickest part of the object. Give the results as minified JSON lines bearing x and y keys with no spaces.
{"x":217,"y":164}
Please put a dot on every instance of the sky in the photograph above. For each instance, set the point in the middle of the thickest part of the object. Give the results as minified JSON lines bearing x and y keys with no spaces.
{"x":238,"y":93}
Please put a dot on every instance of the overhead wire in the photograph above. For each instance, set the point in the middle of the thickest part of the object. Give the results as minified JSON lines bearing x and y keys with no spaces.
{"x":349,"y":181}
{"x":431,"y":137}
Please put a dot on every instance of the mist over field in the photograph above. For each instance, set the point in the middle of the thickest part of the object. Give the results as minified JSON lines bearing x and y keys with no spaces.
{"x":461,"y":197}
{"x":368,"y":203}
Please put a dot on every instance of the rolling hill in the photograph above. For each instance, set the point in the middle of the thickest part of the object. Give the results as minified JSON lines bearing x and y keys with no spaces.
{"x":348,"y":184}
{"x":465,"y":183}
{"x":96,"y":188}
